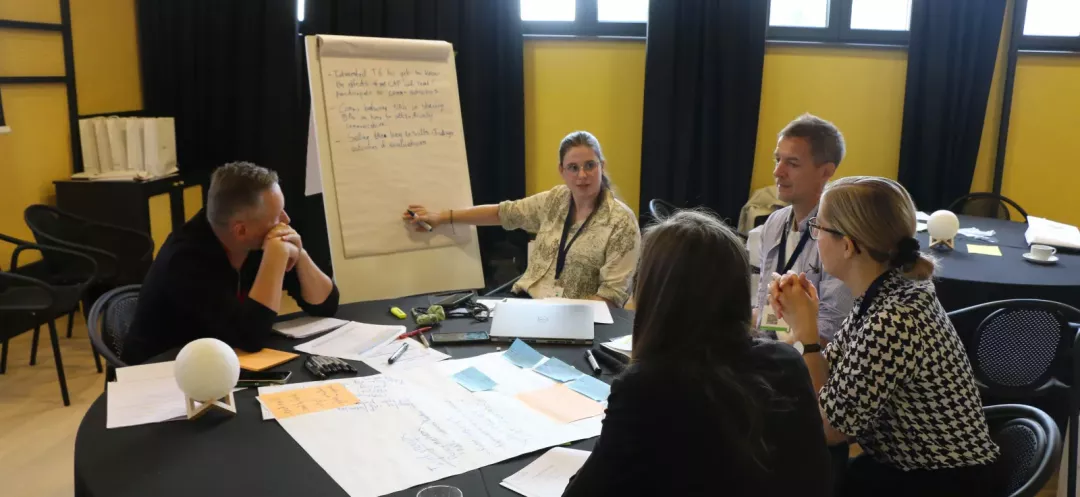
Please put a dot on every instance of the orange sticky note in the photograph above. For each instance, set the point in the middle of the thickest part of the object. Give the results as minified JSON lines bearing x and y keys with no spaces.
{"x":263,"y":359}
{"x":309,"y":400}
{"x":561,"y":404}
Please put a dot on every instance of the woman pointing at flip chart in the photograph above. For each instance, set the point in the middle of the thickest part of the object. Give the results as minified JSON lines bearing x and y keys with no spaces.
{"x":587,"y":240}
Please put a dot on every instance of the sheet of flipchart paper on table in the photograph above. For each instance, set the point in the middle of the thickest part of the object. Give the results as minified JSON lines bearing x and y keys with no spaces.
{"x":428,"y":427}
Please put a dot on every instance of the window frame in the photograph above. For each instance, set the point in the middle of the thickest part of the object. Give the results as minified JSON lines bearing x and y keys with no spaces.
{"x":838,"y":30}
{"x":586,"y":23}
{"x":1034,"y":43}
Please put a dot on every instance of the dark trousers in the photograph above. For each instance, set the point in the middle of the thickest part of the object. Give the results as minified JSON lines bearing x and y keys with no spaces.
{"x":866,"y":476}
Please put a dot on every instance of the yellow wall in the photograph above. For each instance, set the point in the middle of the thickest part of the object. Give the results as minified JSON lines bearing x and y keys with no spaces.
{"x":1040,"y":173}
{"x":860,"y":90}
{"x":37,"y":151}
{"x":592,"y":85}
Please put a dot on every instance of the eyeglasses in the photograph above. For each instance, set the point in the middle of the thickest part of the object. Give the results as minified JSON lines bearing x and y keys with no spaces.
{"x":816,"y":229}
{"x":589,"y":167}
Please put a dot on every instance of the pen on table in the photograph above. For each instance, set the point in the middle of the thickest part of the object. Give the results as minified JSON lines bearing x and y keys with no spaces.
{"x":311,"y":369}
{"x":612,"y":362}
{"x":424,"y":340}
{"x":423,"y":224}
{"x":397,"y":355}
{"x":592,"y":362}
{"x":418,"y":331}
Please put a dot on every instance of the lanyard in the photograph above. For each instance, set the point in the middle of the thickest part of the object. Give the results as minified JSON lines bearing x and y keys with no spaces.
{"x":869,"y":296}
{"x":564,"y":246}
{"x":783,"y":265}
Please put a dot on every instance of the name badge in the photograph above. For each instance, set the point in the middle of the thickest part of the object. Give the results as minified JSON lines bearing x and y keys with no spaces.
{"x":773,"y":323}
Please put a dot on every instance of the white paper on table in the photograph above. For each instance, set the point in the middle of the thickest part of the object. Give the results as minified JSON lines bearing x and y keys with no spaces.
{"x":919,"y":227}
{"x":549,"y":474}
{"x":509,"y":379}
{"x":416,"y":355}
{"x":1047,"y":232}
{"x":146,"y":371}
{"x":975,"y":233}
{"x":423,"y":435}
{"x":307,"y":326}
{"x":922,"y":216}
{"x":621,"y":345}
{"x":140,"y":402}
{"x":352,"y":340}
{"x":601,"y":312}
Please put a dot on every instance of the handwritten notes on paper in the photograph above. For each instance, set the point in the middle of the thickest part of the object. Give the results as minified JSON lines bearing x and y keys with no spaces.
{"x":558,"y":370}
{"x":284,"y":405}
{"x":394,"y":124}
{"x":422,"y":433}
{"x":549,"y":474}
{"x":474,"y":380}
{"x":561,"y":404}
{"x":522,"y":355}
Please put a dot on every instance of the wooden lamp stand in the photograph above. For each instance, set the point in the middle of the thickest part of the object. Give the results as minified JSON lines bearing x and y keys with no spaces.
{"x":942,"y":243}
{"x":196,"y":409}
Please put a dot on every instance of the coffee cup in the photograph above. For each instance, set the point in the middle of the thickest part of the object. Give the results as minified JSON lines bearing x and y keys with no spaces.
{"x":1042,"y":252}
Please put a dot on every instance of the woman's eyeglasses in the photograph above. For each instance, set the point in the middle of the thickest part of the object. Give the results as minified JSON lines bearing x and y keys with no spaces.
{"x":589,"y":167}
{"x":816,"y":229}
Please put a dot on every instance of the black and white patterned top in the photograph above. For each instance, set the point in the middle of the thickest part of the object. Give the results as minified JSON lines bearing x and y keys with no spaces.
{"x":900,"y":381}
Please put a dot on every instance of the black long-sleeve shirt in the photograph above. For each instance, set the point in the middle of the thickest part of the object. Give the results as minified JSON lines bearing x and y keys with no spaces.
{"x":663,"y":436}
{"x":193,"y":292}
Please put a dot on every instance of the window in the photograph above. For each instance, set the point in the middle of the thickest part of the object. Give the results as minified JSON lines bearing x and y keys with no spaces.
{"x":1051,"y":25}
{"x":626,"y":18}
{"x":840,"y":21}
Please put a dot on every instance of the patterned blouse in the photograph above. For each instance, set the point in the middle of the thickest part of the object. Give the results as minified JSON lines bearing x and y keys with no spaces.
{"x":600,"y":262}
{"x":900,"y":381}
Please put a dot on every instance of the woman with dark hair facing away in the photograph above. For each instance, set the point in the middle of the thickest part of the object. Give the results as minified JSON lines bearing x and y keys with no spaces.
{"x":704,"y":408}
{"x":587,"y":240}
{"x":896,"y":377}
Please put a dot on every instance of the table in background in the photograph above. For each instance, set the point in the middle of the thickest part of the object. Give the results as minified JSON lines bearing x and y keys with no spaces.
{"x":965,"y":279}
{"x":244,"y":455}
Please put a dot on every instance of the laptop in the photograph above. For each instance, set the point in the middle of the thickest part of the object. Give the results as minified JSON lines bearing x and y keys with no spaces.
{"x":542,"y":322}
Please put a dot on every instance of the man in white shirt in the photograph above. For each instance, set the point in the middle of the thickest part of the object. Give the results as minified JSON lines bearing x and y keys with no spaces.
{"x":808,"y":151}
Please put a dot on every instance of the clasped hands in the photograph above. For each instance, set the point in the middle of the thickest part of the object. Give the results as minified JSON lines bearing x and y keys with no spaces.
{"x":283,"y":241}
{"x":795,"y":300}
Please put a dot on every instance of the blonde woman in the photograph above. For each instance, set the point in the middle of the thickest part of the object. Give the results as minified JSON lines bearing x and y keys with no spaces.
{"x":896,"y":377}
{"x":587,"y":240}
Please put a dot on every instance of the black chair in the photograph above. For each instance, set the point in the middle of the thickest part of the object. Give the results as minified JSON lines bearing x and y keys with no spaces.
{"x":1030,"y":445}
{"x":109,"y":320}
{"x":985,"y":204}
{"x":660,"y":209}
{"x":123,"y":255}
{"x":28,"y":303}
{"x":1020,"y":350}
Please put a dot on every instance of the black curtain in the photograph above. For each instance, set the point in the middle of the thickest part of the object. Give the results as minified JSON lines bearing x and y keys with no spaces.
{"x":703,"y":67}
{"x":488,"y":46}
{"x":229,"y":71}
{"x":951,"y":60}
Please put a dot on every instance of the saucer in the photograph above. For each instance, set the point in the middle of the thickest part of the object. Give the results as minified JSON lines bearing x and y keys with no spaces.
{"x":1031,"y":258}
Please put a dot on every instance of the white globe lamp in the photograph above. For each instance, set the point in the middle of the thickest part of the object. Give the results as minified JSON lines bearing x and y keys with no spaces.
{"x":942,"y":228}
{"x":207,"y":371}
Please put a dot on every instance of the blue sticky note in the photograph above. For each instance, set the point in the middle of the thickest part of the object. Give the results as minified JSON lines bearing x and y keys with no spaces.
{"x":591,"y":388}
{"x":558,"y":370}
{"x":474,"y":380}
{"x":522,"y":355}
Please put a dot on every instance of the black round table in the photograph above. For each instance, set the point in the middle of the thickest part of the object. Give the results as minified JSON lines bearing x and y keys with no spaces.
{"x":220,"y":455}
{"x":965,"y":279}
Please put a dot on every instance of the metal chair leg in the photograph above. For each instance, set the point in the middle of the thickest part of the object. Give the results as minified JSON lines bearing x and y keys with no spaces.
{"x":71,"y":320}
{"x":97,"y":358}
{"x":59,"y":363}
{"x":33,"y":345}
{"x":3,"y":358}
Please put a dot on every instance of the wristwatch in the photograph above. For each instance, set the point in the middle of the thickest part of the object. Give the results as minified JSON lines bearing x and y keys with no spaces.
{"x":808,"y":348}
